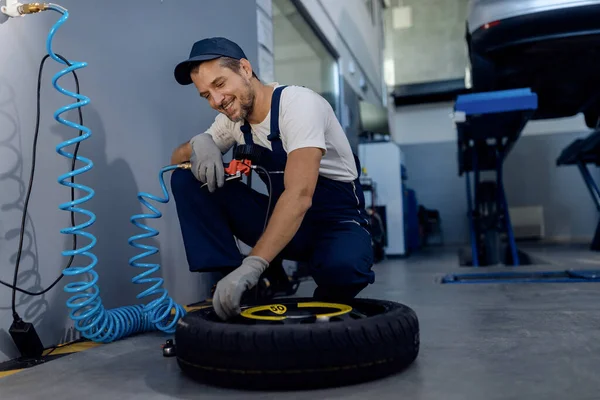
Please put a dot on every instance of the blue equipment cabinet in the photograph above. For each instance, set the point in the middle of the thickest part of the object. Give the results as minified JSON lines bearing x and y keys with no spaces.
{"x":488,"y":125}
{"x":411,"y":218}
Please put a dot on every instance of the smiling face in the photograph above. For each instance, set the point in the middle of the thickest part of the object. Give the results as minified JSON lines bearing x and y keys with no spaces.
{"x":226,"y":85}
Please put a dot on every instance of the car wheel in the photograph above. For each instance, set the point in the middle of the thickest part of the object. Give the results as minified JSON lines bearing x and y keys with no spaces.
{"x":483,"y":76}
{"x":591,"y":119}
{"x":297,"y":343}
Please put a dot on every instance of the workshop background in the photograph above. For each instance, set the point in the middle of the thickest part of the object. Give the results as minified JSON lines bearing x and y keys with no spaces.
{"x":534,"y":186}
{"x":400,"y":75}
{"x":138,"y":115}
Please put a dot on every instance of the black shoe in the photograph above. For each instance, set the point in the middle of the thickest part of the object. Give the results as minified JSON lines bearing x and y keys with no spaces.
{"x":335,"y":293}
{"x":276,"y":282}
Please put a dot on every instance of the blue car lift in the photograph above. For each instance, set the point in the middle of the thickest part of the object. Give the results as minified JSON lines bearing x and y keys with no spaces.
{"x":487,"y":116}
{"x":581,"y":153}
{"x":488,"y":125}
{"x":568,"y":276}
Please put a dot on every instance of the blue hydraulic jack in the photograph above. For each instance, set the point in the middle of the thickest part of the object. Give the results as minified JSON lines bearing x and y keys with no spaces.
{"x":488,"y":125}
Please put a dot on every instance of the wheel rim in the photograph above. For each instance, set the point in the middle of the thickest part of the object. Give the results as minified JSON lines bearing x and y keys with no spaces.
{"x":291,"y":311}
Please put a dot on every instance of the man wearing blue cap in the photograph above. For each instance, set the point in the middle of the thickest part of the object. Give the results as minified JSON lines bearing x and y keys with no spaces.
{"x":317,"y":213}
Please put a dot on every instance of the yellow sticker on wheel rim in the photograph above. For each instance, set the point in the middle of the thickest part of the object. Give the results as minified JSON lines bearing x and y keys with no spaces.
{"x":280,"y":310}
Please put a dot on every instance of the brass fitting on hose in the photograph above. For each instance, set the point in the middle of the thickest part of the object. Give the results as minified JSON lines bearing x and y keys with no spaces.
{"x":32,"y":8}
{"x":185,"y":165}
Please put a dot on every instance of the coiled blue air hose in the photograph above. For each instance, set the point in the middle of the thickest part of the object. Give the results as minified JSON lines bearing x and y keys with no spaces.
{"x":160,"y":308}
{"x":87,"y":311}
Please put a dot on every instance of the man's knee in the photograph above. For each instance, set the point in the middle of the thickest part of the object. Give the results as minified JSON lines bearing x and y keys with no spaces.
{"x":333,"y":293}
{"x":343,"y":269}
{"x":181,"y":180}
{"x":184,"y":185}
{"x":343,"y":278}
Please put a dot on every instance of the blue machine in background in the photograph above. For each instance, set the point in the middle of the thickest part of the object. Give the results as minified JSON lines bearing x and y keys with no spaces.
{"x":411,"y":221}
{"x":488,"y":125}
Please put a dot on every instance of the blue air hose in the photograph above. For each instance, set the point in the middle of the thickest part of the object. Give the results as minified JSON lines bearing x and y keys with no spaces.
{"x":160,"y":308}
{"x":91,"y":319}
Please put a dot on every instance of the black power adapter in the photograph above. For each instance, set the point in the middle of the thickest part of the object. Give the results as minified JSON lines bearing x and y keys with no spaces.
{"x":26,"y":339}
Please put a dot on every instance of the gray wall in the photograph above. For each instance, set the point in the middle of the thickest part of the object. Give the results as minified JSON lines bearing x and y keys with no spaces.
{"x":348,"y":26}
{"x":531,"y":178}
{"x":137,"y":115}
{"x":352,"y":126}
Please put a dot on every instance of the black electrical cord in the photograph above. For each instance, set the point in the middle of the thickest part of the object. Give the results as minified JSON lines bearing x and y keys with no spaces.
{"x":270,"y":195}
{"x":262,"y":169}
{"x":24,"y":217}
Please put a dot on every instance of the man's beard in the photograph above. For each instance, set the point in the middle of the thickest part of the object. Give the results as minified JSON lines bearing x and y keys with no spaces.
{"x":246,"y":103}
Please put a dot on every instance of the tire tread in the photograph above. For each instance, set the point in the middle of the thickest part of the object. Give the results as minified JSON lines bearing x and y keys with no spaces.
{"x":299,"y":356}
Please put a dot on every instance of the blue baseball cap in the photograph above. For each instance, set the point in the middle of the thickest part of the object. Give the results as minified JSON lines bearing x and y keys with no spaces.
{"x":204,"y":50}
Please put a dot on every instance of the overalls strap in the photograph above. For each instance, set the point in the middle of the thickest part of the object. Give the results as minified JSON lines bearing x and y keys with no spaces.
{"x":274,"y":127}
{"x":247,"y":131}
{"x":275,"y":101}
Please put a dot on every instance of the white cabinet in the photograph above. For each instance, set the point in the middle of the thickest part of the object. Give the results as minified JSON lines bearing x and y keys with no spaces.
{"x":383,"y":163}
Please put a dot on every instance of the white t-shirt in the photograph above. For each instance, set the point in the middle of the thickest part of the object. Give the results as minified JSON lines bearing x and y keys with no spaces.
{"x":306,"y":119}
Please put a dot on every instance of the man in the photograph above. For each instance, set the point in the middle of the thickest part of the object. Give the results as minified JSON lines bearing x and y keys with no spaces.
{"x":317,"y":212}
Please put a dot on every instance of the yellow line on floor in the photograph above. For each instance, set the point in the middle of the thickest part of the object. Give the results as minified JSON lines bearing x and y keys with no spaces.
{"x":66,"y":348}
{"x":8,"y":373}
{"x":74,"y":348}
{"x":193,"y":308}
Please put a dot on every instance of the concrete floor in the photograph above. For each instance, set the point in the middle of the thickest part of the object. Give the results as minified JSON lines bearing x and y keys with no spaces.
{"x":480,"y":341}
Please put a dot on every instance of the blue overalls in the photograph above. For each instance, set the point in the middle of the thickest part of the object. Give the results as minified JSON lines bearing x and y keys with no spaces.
{"x":333,"y":239}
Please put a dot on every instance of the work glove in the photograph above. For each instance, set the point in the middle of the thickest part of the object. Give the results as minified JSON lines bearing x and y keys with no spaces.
{"x":229,"y":291}
{"x":207,"y":164}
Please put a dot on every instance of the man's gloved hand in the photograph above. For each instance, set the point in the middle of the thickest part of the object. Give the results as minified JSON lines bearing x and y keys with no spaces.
{"x":229,"y":291}
{"x":207,"y":164}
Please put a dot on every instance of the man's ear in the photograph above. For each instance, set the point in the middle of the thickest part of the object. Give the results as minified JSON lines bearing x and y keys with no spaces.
{"x":246,"y":68}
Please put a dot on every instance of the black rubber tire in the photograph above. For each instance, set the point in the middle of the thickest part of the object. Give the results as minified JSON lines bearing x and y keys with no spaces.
{"x":298,"y":356}
{"x":591,"y":118}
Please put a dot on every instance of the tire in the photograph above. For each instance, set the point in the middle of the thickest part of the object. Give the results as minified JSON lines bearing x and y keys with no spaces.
{"x":299,"y":355}
{"x":492,"y":247}
{"x":483,"y":73}
{"x":465,"y":257}
{"x":591,"y":119}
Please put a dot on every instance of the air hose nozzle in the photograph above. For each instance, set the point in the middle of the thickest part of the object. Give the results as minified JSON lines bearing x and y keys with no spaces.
{"x":32,"y":8}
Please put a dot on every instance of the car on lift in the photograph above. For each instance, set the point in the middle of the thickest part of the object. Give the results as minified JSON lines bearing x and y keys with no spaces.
{"x":550,"y":46}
